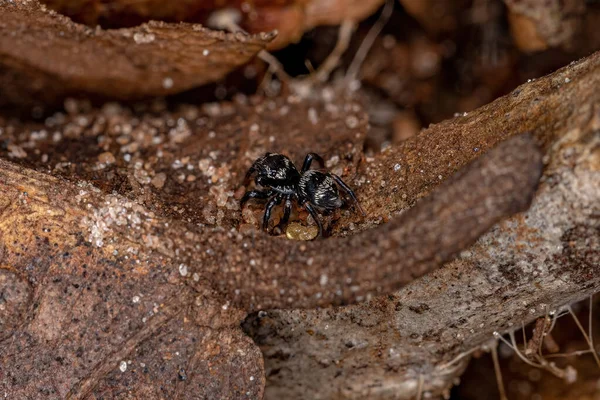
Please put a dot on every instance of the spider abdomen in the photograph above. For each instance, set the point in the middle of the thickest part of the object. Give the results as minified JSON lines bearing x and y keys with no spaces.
{"x":319,"y":189}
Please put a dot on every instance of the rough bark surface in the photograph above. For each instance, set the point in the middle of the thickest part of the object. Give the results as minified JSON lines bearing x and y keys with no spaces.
{"x":524,"y":268}
{"x":45,"y":57}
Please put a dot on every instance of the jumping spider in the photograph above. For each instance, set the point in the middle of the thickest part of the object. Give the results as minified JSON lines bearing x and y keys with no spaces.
{"x":313,"y":190}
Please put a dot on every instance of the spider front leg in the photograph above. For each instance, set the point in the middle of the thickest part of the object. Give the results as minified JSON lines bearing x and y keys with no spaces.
{"x":248,"y":176}
{"x":349,"y":192}
{"x":315,"y":216}
{"x":255,"y":194}
{"x":272,"y":203}
{"x":308,"y":160}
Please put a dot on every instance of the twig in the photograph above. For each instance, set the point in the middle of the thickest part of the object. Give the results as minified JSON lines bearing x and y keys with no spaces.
{"x":542,"y":335}
{"x":367,"y":43}
{"x":420,"y":387}
{"x":456,"y":359}
{"x":498,"y":372}
{"x":514,"y":346}
{"x":566,"y":355}
{"x":590,"y":324}
{"x":533,"y":347}
{"x":304,"y":86}
{"x":587,"y":338}
{"x":333,"y":59}
{"x":543,"y":363}
{"x":274,"y":65}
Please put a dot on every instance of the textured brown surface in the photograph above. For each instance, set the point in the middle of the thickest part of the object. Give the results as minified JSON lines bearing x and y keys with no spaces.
{"x":107,"y":321}
{"x":281,"y":273}
{"x":107,"y":261}
{"x":187,"y":164}
{"x":104,"y":304}
{"x":45,"y":56}
{"x":542,"y":107}
{"x":127,"y":296}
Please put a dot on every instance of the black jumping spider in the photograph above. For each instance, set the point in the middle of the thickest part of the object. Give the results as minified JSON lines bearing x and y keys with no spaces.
{"x":316,"y":191}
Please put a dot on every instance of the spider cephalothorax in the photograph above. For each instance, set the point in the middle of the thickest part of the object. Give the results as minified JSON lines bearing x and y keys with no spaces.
{"x":280,"y":181}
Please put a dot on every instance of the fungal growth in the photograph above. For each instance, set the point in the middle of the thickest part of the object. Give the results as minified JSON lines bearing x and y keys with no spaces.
{"x":279,"y":181}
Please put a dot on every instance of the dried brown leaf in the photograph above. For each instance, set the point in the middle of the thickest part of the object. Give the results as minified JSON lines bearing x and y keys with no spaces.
{"x":291,"y":18}
{"x":45,"y":57}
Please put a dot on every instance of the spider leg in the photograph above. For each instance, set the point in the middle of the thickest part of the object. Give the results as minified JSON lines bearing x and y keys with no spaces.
{"x":287,"y":210}
{"x":308,"y":160}
{"x":248,"y":176}
{"x":272,"y":203}
{"x":254,"y":194}
{"x":349,"y":191}
{"x":315,"y":216}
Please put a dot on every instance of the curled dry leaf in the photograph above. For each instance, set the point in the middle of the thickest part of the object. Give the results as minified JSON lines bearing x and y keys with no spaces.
{"x":306,"y":15}
{"x":291,"y":18}
{"x":45,"y":56}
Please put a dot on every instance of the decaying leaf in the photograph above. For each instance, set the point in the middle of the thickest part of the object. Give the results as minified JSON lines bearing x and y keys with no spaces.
{"x":291,"y":18}
{"x":45,"y":57}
